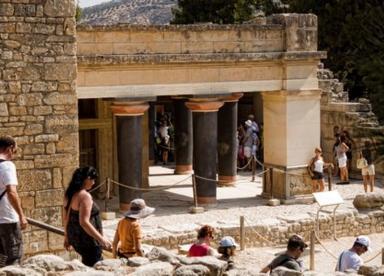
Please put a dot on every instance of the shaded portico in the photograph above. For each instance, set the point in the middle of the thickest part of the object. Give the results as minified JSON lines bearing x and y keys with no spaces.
{"x":278,"y":59}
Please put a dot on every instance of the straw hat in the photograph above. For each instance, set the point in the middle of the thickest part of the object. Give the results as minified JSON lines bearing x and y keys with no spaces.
{"x":138,"y":209}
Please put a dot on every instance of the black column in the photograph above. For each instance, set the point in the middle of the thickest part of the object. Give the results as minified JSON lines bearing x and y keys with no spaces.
{"x":129,"y":145}
{"x":183,"y":137}
{"x":204,"y":155}
{"x":227,"y":143}
{"x":151,"y":132}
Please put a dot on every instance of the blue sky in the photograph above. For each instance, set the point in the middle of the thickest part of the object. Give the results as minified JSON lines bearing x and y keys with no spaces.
{"x":87,"y":3}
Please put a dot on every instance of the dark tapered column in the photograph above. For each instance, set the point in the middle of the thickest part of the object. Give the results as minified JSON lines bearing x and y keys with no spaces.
{"x":227,"y":142}
{"x":129,"y":148}
{"x":205,"y":147}
{"x":151,"y":132}
{"x":183,"y":137}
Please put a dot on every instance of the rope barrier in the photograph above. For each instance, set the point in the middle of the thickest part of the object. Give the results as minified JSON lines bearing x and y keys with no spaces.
{"x":249,"y":162}
{"x":204,"y":178}
{"x":257,"y":233}
{"x":150,"y":189}
{"x":97,"y":187}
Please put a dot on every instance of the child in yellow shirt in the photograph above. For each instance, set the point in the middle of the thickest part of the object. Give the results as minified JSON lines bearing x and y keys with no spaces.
{"x":127,"y":241}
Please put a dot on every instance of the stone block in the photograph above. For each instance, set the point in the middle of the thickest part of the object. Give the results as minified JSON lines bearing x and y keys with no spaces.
{"x":25,"y":10}
{"x":32,"y":180}
{"x":42,"y":110}
{"x":54,"y":160}
{"x":61,"y":124}
{"x":4,"y":109}
{"x":6,"y":9}
{"x":33,"y":129}
{"x":49,"y":198}
{"x":60,"y":71}
{"x":59,"y":8}
{"x":34,"y":149}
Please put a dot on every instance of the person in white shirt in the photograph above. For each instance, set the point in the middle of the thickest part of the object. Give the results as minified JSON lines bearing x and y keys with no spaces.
{"x":12,"y":218}
{"x":350,"y":259}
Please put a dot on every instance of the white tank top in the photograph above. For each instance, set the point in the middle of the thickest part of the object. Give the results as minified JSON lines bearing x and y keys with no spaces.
{"x":319,"y":165}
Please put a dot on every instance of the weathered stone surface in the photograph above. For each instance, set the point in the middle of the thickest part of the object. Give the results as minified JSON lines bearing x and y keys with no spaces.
{"x":18,"y":271}
{"x":3,"y":109}
{"x":369,"y":270}
{"x":192,"y":270}
{"x":369,"y":200}
{"x":30,"y":180}
{"x":283,"y":271}
{"x":137,"y":261}
{"x":161,"y":254}
{"x":109,"y":264}
{"x":155,"y":269}
{"x":53,"y":263}
{"x":216,"y":266}
{"x":58,"y":8}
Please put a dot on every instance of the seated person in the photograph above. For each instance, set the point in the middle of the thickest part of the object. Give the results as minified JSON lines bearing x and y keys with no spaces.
{"x":202,"y":246}
{"x":290,"y":258}
{"x":127,"y":241}
{"x":350,"y":259}
{"x":227,"y":248}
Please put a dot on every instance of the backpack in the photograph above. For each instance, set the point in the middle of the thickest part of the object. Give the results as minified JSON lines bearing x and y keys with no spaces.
{"x":3,"y":193}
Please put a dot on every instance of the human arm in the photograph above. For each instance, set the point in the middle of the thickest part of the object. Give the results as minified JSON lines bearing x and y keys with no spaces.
{"x":115,"y":243}
{"x":265,"y":269}
{"x":14,"y":199}
{"x":85,"y":207}
{"x":137,"y":235}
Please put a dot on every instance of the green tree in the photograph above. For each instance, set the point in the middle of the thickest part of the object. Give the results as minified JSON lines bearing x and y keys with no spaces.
{"x":78,"y":13}
{"x":352,"y":32}
{"x":219,"y":11}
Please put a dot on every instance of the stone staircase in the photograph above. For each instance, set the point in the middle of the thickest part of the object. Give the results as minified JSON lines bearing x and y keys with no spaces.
{"x":356,"y":117}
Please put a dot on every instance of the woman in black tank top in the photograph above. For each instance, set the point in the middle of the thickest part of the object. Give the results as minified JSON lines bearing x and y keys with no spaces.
{"x":83,"y":228}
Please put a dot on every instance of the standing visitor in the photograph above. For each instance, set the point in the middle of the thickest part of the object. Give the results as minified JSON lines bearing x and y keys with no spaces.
{"x":127,"y":241}
{"x":12,"y":218}
{"x":341,"y":150}
{"x":316,"y":170}
{"x":348,"y":141}
{"x":290,"y":258}
{"x":248,"y":142}
{"x":368,"y":169}
{"x":255,"y":126}
{"x":165,"y":140}
{"x":240,"y":152}
{"x":82,"y":223}
{"x":350,"y":259}
{"x":202,"y":247}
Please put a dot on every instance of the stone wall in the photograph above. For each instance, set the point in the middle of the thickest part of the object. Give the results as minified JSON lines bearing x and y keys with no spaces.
{"x":355,"y":117}
{"x":38,"y":106}
{"x":276,"y":231}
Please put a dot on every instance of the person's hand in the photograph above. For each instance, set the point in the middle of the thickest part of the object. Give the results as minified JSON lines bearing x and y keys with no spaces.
{"x":105,"y":243}
{"x":23,"y":222}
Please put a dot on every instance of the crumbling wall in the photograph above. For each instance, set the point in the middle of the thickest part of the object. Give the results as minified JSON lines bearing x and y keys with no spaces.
{"x":38,"y":106}
{"x":355,"y":117}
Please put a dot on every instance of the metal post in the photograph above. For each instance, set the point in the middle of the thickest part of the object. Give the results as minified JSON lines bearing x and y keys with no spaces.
{"x":329,"y":178}
{"x":108,"y":194}
{"x":382,"y":256}
{"x":194,"y":190}
{"x":271,"y":180}
{"x":312,"y":251}
{"x":242,"y":233}
{"x":253,"y":164}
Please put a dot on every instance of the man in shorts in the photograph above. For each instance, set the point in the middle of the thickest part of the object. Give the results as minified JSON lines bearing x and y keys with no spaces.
{"x":290,"y":258}
{"x":12,"y":218}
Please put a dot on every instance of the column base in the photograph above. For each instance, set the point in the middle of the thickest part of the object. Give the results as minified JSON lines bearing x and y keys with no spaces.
{"x":183,"y":169}
{"x":124,"y":207}
{"x":207,"y":201}
{"x":227,"y":181}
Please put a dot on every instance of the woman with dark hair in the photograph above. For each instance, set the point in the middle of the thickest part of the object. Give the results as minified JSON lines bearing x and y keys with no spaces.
{"x":82,"y":223}
{"x":202,"y":246}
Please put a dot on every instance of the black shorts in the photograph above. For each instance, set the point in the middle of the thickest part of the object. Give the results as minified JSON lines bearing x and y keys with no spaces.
{"x":90,"y":254}
{"x":11,"y":243}
{"x":317,"y":176}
